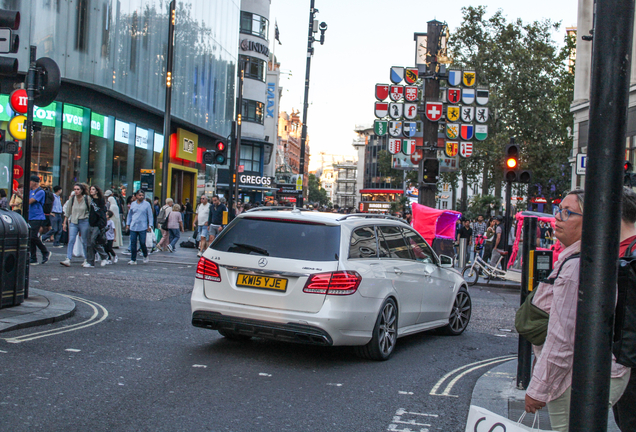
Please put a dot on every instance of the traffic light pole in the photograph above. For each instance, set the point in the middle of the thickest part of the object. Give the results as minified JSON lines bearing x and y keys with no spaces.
{"x":427,"y":191}
{"x":28,"y":144}
{"x":507,"y":224}
{"x":236,"y":150}
{"x":168,"y":104}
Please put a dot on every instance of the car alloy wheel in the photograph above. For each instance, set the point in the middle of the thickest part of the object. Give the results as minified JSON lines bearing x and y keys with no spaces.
{"x":460,"y":314}
{"x":382,"y":344}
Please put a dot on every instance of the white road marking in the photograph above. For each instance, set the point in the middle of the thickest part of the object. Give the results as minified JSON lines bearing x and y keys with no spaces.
{"x":264,"y":374}
{"x":334,"y":384}
{"x":199,"y":366}
{"x":410,"y":422}
{"x":399,"y":420}
{"x":405,"y":393}
{"x":4,"y":352}
{"x":55,"y":279}
{"x":72,"y":350}
{"x":469,"y":368}
{"x":402,"y":411}
{"x":134,"y":358}
{"x":84,"y":324}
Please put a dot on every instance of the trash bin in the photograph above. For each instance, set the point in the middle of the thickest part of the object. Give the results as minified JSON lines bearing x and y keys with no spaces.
{"x":14,"y":243}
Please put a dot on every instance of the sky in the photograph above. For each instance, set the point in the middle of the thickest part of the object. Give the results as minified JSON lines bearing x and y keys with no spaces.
{"x":363,"y":40}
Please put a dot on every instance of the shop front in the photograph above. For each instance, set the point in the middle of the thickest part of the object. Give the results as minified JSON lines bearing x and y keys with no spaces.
{"x":252,"y":188}
{"x":378,"y":200}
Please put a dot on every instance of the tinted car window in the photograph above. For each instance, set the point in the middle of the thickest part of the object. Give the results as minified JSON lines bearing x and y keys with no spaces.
{"x":419,"y":249}
{"x":280,"y":239}
{"x":394,"y":243}
{"x":363,"y":243}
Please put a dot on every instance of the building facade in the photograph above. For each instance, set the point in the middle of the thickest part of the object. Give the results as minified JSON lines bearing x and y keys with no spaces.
{"x":288,"y":160}
{"x":106,"y":125}
{"x":345,"y":192}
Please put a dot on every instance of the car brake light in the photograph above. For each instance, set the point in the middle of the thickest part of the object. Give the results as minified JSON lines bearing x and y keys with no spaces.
{"x":333,"y":283}
{"x":208,"y":270}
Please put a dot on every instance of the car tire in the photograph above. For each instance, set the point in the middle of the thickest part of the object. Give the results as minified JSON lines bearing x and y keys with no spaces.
{"x":382,"y":343}
{"x":460,"y":314}
{"x":470,"y":275}
{"x":229,"y":334}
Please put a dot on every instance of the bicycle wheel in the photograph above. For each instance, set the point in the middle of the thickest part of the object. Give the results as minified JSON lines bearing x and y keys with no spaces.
{"x":470,"y":275}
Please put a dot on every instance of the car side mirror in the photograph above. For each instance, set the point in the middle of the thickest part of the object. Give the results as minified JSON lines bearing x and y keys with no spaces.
{"x":445,"y":261}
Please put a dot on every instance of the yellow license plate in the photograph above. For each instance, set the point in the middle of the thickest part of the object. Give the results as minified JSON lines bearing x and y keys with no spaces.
{"x":263,"y":282}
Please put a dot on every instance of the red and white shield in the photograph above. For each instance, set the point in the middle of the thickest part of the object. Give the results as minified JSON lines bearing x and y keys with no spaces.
{"x":396,"y":93}
{"x":410,"y":110}
{"x":417,"y":156}
{"x":465,"y":149}
{"x":410,"y":75}
{"x":410,"y":93}
{"x":434,"y":111}
{"x":381,"y":109}
{"x":454,"y":95}
{"x":408,"y":146}
{"x":395,"y":145}
{"x":381,"y":91}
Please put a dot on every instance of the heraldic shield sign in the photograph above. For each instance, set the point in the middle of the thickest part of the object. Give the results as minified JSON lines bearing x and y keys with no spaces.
{"x":454,"y":77}
{"x":397,"y":74}
{"x":452,"y":130}
{"x":395,"y":128}
{"x":434,"y":111}
{"x":395,"y":145}
{"x":381,"y":109}
{"x":468,"y":114}
{"x":408,"y":146}
{"x":396,"y":110}
{"x":482,"y":114}
{"x":380,"y":127}
{"x":482,"y":96}
{"x":410,"y":110}
{"x":410,"y":93}
{"x":410,"y":75}
{"x":381,"y":91}
{"x":452,"y":113}
{"x":481,"y":132}
{"x":468,"y":96}
{"x":466,"y":131}
{"x":454,"y":95}
{"x":410,"y":129}
{"x":468,"y":78}
{"x":465,"y":149}
{"x":396,"y":93}
{"x":451,"y":148}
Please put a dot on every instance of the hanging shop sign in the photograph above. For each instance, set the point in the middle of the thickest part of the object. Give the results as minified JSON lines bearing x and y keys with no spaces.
{"x":141,"y":138}
{"x":187,"y":145}
{"x":73,"y":118}
{"x":19,"y":101}
{"x":122,"y":132}
{"x":16,"y":127}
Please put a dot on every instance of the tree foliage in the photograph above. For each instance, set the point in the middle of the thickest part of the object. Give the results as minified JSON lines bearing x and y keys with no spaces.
{"x":316,"y":193}
{"x":530,"y":94}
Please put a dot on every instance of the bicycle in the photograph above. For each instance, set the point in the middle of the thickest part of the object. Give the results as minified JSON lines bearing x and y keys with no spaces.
{"x":471,"y":274}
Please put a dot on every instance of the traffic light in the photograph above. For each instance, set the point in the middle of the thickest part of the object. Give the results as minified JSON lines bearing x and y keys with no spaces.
{"x":431,"y":171}
{"x":512,"y":173}
{"x":630,"y":177}
{"x":221,"y":153}
{"x":9,"y":41}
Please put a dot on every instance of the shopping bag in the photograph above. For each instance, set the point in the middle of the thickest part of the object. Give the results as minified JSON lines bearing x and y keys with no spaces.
{"x":150,"y":241}
{"x":78,"y":247}
{"x":158,"y":234}
{"x":480,"y":420}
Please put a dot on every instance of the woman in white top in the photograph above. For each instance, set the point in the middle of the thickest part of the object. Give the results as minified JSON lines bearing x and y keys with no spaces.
{"x":116,"y":220}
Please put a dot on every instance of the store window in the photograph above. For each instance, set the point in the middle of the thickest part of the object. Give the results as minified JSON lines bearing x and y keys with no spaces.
{"x":120,"y":156}
{"x":253,"y":111}
{"x":100,"y":162}
{"x":250,"y":157}
{"x":71,"y":148}
{"x":143,"y":152}
{"x":254,"y":24}
{"x":253,"y":67}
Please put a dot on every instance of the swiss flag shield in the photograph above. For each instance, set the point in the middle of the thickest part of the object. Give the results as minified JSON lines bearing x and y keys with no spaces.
{"x":381,"y":91}
{"x":434,"y":111}
{"x":417,"y":156}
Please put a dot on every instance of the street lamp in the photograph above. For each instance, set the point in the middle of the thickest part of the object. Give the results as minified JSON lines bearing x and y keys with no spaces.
{"x":313,"y":28}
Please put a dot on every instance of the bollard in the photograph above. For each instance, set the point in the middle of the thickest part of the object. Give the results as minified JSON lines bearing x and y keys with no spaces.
{"x":463,"y":245}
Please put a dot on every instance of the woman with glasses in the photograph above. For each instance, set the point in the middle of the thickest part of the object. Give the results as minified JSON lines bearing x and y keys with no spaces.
{"x":76,"y":212}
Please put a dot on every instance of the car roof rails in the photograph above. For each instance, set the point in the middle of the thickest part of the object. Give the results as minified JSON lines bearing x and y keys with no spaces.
{"x":369,"y":215}
{"x":272,"y":208}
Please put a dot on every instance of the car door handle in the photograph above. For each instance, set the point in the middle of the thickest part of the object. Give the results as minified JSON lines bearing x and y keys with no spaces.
{"x":397,"y":271}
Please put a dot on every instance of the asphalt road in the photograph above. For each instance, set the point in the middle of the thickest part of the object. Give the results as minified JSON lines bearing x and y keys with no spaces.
{"x":129,"y":360}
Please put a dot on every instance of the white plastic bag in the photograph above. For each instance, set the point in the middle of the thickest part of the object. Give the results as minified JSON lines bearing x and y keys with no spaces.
{"x":480,"y":419}
{"x":150,"y":241}
{"x":78,"y":248}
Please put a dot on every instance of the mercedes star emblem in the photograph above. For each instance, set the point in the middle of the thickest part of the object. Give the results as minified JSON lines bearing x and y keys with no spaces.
{"x":262,"y":262}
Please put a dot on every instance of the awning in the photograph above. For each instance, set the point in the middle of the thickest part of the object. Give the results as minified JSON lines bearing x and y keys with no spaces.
{"x":381,"y":191}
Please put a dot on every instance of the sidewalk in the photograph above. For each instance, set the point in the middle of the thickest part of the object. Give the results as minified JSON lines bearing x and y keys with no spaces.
{"x":42,"y":307}
{"x":496,"y":391}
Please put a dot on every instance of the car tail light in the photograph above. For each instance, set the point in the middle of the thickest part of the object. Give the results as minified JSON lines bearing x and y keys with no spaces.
{"x":333,"y":283}
{"x":208,"y":270}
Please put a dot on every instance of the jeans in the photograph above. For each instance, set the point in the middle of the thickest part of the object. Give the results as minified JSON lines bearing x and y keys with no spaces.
{"x":56,"y":229}
{"x":36,"y":242}
{"x":141,"y":235}
{"x":93,"y":247}
{"x":82,"y":227}
{"x":175,"y":235}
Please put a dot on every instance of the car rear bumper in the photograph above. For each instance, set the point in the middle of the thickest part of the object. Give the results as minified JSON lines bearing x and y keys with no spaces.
{"x":289,"y":332}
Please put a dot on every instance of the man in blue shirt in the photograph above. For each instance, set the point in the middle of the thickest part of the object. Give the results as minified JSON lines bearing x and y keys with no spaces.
{"x":37,"y":220}
{"x":140,"y":222}
{"x":56,"y":219}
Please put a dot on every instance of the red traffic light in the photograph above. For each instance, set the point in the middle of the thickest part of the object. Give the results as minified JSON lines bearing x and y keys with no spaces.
{"x":628,"y":166}
{"x":220,"y":146}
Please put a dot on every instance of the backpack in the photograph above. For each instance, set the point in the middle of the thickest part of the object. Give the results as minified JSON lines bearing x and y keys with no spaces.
{"x":624,"y":343}
{"x":162,"y":215}
{"x":49,"y":199}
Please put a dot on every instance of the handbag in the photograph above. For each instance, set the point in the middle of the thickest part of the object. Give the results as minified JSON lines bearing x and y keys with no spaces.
{"x":78,"y":247}
{"x":532,"y":322}
{"x":480,"y":419}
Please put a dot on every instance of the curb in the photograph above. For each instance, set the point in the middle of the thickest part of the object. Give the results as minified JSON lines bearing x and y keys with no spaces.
{"x":48,"y":308}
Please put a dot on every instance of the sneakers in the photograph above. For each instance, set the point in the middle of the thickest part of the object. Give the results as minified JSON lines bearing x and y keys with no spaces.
{"x":115,"y":260}
{"x":58,"y":246}
{"x":199,"y":254}
{"x":170,"y":248}
{"x":88,"y":265}
{"x":131,"y":262}
{"x":47,"y":257}
{"x":127,"y":252}
{"x":104,"y":263}
{"x":66,"y":262}
{"x":145,"y":259}
{"x":33,"y":262}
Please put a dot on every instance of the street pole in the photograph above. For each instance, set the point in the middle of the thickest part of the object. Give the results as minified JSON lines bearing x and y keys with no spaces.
{"x":426,"y":195}
{"x":524,"y":360}
{"x":230,"y":188}
{"x":609,"y":96}
{"x":507,"y":223}
{"x":168,"y":103}
{"x":236,"y":151}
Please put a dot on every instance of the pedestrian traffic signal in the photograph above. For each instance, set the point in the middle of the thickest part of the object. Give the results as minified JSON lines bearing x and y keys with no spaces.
{"x":431,"y":171}
{"x":221,"y":153}
{"x":9,"y":41}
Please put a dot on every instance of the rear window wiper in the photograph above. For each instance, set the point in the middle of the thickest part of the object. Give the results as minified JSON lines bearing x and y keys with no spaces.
{"x":252,"y":248}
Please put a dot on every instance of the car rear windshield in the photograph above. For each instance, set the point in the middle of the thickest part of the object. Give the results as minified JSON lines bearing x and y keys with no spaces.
{"x":280,"y":239}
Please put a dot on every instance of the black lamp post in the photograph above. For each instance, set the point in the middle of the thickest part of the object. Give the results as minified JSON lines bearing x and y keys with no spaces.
{"x":168,"y":104}
{"x":313,"y":28}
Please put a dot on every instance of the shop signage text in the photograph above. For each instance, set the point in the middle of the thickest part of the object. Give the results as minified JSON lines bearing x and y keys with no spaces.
{"x":255,"y":180}
{"x":271,"y":89}
{"x":247,"y":45}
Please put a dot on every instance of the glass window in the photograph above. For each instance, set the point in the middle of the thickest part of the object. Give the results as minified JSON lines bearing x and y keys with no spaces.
{"x":254,"y":24}
{"x":363,"y":243}
{"x":253,"y":111}
{"x":393,"y":245}
{"x":42,"y":155}
{"x":70,"y":154}
{"x":250,"y":157}
{"x":120,"y":163}
{"x":254,"y":67}
{"x":99,"y":159}
{"x":419,"y":249}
